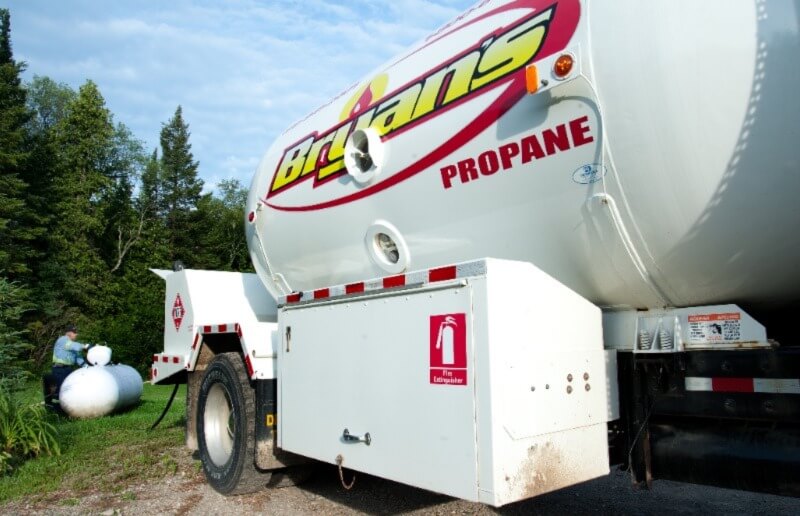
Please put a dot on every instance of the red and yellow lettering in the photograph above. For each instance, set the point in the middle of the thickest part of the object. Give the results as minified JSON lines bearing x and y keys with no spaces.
{"x":512,"y":50}
{"x":291,"y":164}
{"x":496,"y":57}
{"x":397,"y":111}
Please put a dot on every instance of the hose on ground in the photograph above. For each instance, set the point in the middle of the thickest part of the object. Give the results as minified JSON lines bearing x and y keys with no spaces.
{"x":166,"y":409}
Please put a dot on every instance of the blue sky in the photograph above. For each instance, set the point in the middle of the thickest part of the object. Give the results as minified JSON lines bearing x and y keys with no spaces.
{"x":243,"y":70}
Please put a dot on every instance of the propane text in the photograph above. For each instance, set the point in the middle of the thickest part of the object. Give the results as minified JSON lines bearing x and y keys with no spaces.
{"x":535,"y":146}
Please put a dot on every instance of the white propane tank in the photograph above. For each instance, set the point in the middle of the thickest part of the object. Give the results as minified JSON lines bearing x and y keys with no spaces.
{"x":100,"y":390}
{"x":98,"y":355}
{"x":648,"y":158}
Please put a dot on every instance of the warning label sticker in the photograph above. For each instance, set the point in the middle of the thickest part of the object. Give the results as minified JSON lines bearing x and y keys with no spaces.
{"x":178,"y":312}
{"x":448,"y":349}
{"x":713,"y":328}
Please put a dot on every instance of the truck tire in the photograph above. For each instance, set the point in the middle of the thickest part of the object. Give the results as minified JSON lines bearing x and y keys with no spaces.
{"x":226,"y":427}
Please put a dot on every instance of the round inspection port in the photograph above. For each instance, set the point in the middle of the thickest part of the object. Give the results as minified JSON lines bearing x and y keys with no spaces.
{"x":364,"y":155}
{"x":386,"y":247}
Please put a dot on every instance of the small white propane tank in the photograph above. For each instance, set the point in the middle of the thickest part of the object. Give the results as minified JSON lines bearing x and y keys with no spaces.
{"x":98,"y":355}
{"x":100,"y":390}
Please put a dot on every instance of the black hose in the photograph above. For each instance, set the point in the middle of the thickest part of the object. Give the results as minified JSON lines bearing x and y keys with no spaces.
{"x":166,"y":409}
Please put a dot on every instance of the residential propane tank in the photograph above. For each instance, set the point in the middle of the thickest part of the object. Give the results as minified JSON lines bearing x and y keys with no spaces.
{"x":98,"y":355}
{"x":100,"y":390}
{"x":643,"y":153}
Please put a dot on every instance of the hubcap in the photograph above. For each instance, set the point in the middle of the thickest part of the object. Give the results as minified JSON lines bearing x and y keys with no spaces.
{"x":219,"y":425}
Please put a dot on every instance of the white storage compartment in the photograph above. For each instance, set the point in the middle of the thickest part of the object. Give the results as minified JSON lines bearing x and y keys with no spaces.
{"x":491,"y":388}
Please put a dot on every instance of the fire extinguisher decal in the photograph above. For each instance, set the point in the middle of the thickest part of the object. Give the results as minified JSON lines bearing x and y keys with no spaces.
{"x":448,"y":349}
{"x":445,"y":342}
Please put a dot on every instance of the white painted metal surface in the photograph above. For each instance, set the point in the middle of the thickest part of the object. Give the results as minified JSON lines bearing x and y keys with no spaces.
{"x":100,"y":390}
{"x":199,"y":303}
{"x":673,"y":182}
{"x":490,"y":388}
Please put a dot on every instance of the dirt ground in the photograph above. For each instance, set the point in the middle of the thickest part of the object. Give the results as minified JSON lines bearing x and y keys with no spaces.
{"x":187,"y":493}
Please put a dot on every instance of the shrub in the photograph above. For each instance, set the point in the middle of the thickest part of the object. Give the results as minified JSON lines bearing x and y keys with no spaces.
{"x":12,"y":344}
{"x":24,"y":431}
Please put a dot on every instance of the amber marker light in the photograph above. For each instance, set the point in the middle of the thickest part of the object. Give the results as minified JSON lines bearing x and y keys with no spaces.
{"x":563,"y":66}
{"x":531,"y":78}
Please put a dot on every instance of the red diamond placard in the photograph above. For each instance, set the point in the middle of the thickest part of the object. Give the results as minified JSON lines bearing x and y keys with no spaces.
{"x":178,"y":312}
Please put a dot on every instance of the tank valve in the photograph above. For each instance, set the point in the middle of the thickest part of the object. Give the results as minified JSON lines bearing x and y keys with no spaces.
{"x":364,"y":154}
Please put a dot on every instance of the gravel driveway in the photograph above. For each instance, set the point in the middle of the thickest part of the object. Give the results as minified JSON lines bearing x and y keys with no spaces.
{"x":187,"y":493}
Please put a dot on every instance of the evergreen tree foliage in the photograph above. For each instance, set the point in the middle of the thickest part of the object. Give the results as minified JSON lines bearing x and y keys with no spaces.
{"x":84,"y":138}
{"x":221,"y":243}
{"x":180,"y":186}
{"x":13,"y":346}
{"x":48,"y":102}
{"x":150,"y":195}
{"x":14,"y":115}
{"x":85,"y":213}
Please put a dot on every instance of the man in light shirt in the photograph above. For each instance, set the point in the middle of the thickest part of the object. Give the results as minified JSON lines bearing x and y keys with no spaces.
{"x":67,"y":355}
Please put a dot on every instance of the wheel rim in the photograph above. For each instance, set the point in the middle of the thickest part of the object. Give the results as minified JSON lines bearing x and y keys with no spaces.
{"x":219,"y":425}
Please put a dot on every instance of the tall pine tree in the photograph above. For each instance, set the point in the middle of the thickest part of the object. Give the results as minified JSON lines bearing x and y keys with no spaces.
{"x":84,"y":138}
{"x":150,"y":191}
{"x":14,"y":115}
{"x":48,"y":103}
{"x":148,"y":203}
{"x":180,"y":186}
{"x":221,"y":244}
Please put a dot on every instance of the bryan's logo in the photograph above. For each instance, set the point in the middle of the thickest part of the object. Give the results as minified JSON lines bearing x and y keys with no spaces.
{"x":364,"y":97}
{"x":495,"y":59}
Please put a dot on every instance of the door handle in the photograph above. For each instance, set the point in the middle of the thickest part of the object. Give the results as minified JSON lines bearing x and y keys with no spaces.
{"x":350,"y":438}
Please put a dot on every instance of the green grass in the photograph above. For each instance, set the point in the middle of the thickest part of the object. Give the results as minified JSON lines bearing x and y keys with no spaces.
{"x":106,"y":454}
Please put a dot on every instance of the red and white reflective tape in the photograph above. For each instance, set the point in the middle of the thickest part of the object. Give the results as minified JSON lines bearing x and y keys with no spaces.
{"x":416,"y":278}
{"x":168,"y":359}
{"x":221,"y":328}
{"x":186,"y":361}
{"x":743,"y":385}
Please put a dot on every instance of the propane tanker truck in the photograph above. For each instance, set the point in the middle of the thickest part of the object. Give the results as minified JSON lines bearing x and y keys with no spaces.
{"x":553,"y":237}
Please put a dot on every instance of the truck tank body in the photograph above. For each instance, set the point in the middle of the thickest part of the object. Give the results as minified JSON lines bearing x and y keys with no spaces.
{"x":661,"y":170}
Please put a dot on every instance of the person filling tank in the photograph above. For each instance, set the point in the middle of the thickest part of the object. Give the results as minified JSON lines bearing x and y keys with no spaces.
{"x":67,"y":355}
